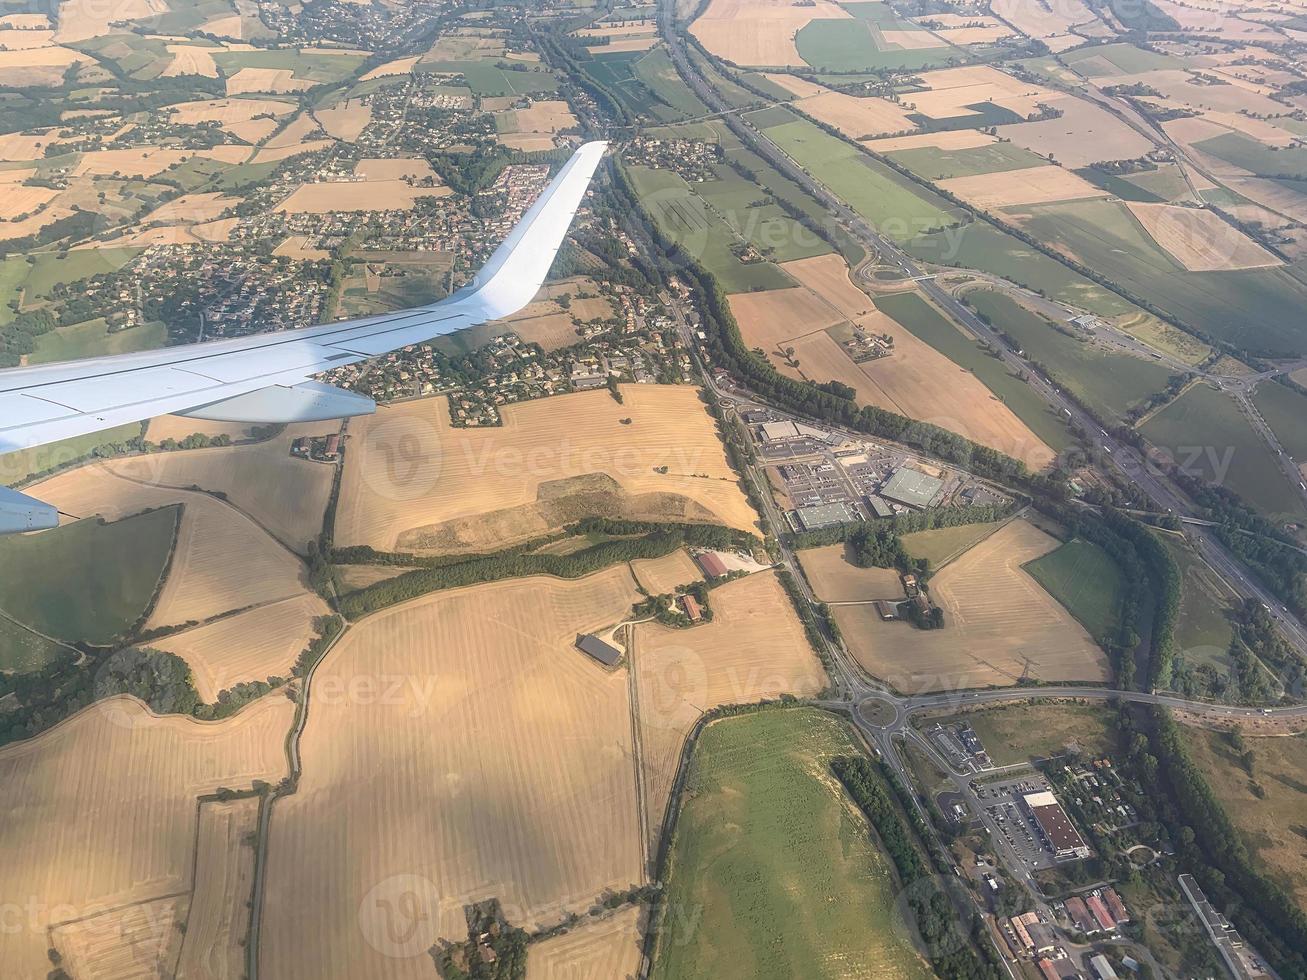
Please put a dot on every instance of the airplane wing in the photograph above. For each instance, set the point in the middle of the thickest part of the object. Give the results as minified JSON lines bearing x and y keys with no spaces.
{"x":266,"y":378}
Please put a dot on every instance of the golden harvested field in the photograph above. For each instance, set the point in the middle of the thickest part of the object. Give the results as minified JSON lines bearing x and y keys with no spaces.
{"x":999,"y":623}
{"x":528,"y":794}
{"x":1034,"y":185}
{"x":219,"y":919}
{"x":549,"y":116}
{"x":151,"y":161}
{"x":607,"y":949}
{"x":20,"y":146}
{"x":80,"y":20}
{"x":191,"y":208}
{"x":1052,"y":23}
{"x":414,"y":482}
{"x":251,"y":646}
{"x":295,"y":132}
{"x":754,"y":648}
{"x":127,"y":943}
{"x":659,"y":576}
{"x":223,"y":560}
{"x":952,"y":90}
{"x":355,"y":577}
{"x":1082,"y":135}
{"x":228,"y":111}
{"x":17,"y":40}
{"x":298,"y":247}
{"x":1200,"y":240}
{"x":759,"y":32}
{"x":637,"y":28}
{"x":286,"y":152}
{"x":404,"y":168}
{"x":915,"y":380}
{"x":192,"y":59}
{"x":55,"y":57}
{"x":768,"y":319}
{"x":346,"y":120}
{"x":109,"y":814}
{"x":857,"y":118}
{"x":277,"y":80}
{"x":284,"y":494}
{"x":527,"y":142}
{"x":624,"y":44}
{"x":401,"y":66}
{"x":176,"y":427}
{"x":836,"y":579}
{"x":19,"y":200}
{"x":947,"y":139}
{"x":828,"y":277}
{"x":363,"y":195}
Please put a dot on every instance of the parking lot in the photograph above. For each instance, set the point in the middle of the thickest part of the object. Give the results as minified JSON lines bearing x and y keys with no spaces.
{"x":1002,"y":803}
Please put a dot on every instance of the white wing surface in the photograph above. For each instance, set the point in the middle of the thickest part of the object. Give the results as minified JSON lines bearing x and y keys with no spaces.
{"x":266,"y":378}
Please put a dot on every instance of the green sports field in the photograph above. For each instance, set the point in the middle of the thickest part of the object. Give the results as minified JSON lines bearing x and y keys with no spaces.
{"x":1084,"y":578}
{"x":773,"y":872}
{"x":87,"y":582}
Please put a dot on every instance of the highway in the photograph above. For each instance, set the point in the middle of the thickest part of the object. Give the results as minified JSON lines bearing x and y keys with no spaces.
{"x":1103,"y":446}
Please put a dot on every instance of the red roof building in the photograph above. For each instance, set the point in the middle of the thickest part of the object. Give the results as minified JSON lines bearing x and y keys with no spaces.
{"x":691,"y":608}
{"x":712,"y":564}
{"x":1115,"y":906}
{"x":1101,"y":915}
{"x":1049,"y":971}
{"x":1075,"y":907}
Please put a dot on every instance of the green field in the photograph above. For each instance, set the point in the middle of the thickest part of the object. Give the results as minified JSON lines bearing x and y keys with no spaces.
{"x":1257,"y":309}
{"x":1119,"y":186}
{"x":310,"y":66}
{"x":775,"y":864}
{"x":1027,"y":732}
{"x":52,"y":269}
{"x":21,"y":466}
{"x":486,"y":79}
{"x":1097,"y":61}
{"x":926,"y":323}
{"x":887,"y":200}
{"x":93,"y":339}
{"x":1109,"y":383}
{"x":86,"y":582}
{"x":979,"y":245}
{"x":932,"y":163}
{"x":659,"y":75}
{"x":1084,"y":578}
{"x":1285,"y":412}
{"x":1256,"y":157}
{"x":1202,"y":631}
{"x":946,"y":543}
{"x":1208,"y":436}
{"x":22,"y":651}
{"x":687,"y":220}
{"x":843,"y":45}
{"x":773,"y":232}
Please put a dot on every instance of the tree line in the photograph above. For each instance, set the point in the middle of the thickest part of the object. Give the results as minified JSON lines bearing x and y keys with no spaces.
{"x":952,"y":953}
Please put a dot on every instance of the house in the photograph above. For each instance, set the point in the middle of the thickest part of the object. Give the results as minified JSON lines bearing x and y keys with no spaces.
{"x":691,"y":607}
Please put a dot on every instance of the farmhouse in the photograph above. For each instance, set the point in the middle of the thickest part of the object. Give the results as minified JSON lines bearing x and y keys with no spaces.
{"x":912,"y":488}
{"x":1061,"y":835}
{"x":605,"y":653}
{"x":691,"y":607}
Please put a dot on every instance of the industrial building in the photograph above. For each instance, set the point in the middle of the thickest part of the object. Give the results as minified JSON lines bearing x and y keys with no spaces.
{"x":604,"y":652}
{"x":711,"y":563}
{"x":824,"y":515}
{"x":1102,"y":968}
{"x":1055,"y":826}
{"x":912,"y":488}
{"x":778,"y":431}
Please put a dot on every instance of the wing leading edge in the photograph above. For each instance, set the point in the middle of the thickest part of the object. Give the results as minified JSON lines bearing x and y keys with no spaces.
{"x":241,"y":378}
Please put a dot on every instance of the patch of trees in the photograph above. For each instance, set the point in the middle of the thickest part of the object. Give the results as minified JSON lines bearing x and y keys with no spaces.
{"x":921,"y":520}
{"x":951,"y":951}
{"x":647,"y":541}
{"x":811,"y":629}
{"x":325,"y":629}
{"x":1207,"y":843}
{"x":493,"y":950}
